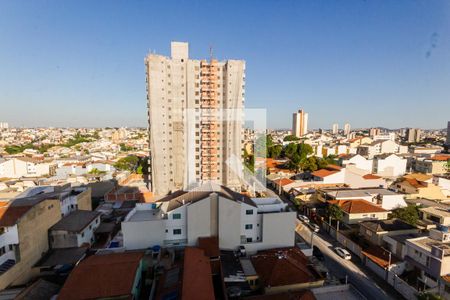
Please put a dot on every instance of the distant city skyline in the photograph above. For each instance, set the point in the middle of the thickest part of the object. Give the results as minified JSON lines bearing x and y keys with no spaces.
{"x":379,"y":64}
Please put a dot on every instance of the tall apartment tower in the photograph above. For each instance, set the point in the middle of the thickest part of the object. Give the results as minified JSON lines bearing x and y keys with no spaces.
{"x":335,"y":128}
{"x":300,"y":123}
{"x":347,"y":128}
{"x":413,"y":135}
{"x":195,"y":117}
{"x":447,"y":142}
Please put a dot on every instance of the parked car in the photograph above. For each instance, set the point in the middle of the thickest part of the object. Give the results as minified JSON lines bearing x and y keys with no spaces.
{"x":317,"y":253}
{"x":343,"y":253}
{"x":303,"y":218}
{"x":314,"y":226}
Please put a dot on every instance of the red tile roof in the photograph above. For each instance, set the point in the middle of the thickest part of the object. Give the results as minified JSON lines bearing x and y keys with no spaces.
{"x":414,"y":183}
{"x":333,"y":167}
{"x":357,"y":206}
{"x":440,"y":157}
{"x":103,"y":276}
{"x":284,"y":181}
{"x":371,"y":176}
{"x":323,"y":173}
{"x":379,"y":256}
{"x":197,"y":277}
{"x":280,"y":267}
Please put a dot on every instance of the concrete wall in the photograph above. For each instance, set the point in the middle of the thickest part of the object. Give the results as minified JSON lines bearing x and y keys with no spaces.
{"x":140,"y":235}
{"x":229,"y":224}
{"x":33,"y":241}
{"x":198,"y":220}
{"x":278,"y":229}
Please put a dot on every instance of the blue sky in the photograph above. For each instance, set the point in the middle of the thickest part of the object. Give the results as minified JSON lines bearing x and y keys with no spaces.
{"x":369,"y":63}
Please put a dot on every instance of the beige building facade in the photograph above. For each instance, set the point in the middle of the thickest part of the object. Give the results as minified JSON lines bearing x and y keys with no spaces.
{"x":195,"y":113}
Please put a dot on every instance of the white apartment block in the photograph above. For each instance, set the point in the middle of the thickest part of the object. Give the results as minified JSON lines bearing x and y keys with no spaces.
{"x":25,"y":167}
{"x":180,"y":219}
{"x":195,"y":112}
{"x":381,"y":147}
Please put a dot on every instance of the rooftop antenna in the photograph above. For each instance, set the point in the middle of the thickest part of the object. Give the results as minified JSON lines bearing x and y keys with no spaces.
{"x":210,"y":53}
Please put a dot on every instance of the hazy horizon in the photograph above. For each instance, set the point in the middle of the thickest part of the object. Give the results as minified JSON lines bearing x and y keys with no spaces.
{"x":81,"y":64}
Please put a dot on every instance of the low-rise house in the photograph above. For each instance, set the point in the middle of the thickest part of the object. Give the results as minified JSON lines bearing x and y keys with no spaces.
{"x":385,"y":198}
{"x":381,"y":147}
{"x":105,"y":276}
{"x":430,"y":256}
{"x":18,"y":167}
{"x":376,"y":231}
{"x":437,"y":215}
{"x":197,"y":277}
{"x":437,"y":164}
{"x":443,"y":182}
{"x":75,"y":230}
{"x":330,"y":175}
{"x":357,"y":210}
{"x":389,"y":165}
{"x":419,"y":185}
{"x":358,"y":161}
{"x":210,"y":210}
{"x":285,"y":269}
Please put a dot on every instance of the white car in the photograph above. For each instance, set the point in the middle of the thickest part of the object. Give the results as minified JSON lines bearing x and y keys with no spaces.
{"x":303,"y":218}
{"x":314,"y":227}
{"x":343,"y":253}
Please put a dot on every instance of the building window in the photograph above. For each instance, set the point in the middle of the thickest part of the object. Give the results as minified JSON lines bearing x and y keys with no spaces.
{"x":249,"y":212}
{"x":248,"y":226}
{"x":177,"y":231}
{"x":176,"y":216}
{"x":249,"y":240}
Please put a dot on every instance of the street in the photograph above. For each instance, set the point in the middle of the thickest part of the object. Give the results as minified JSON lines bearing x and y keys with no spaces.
{"x":340,"y":268}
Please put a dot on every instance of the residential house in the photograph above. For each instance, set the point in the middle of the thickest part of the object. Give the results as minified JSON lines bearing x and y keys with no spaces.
{"x":379,"y":196}
{"x":285,"y":269}
{"x":105,"y":276}
{"x":210,"y":210}
{"x":75,"y":230}
{"x":197,"y":277}
{"x":376,"y":231}
{"x":437,"y":215}
{"x":389,"y":165}
{"x":437,"y":164}
{"x":430,"y":256}
{"x":443,"y":181}
{"x":357,"y":210}
{"x":18,"y":167}
{"x":381,"y":147}
{"x":358,"y":161}
{"x":419,"y":185}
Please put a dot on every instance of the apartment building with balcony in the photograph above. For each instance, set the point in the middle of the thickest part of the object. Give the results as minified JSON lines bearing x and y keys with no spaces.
{"x":195,"y":112}
{"x":380,"y":147}
{"x":236,"y":219}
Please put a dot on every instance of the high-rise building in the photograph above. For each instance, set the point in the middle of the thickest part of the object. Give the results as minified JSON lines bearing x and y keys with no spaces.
{"x":374,"y":132}
{"x":4,"y":125}
{"x":300,"y":123}
{"x":347,"y":128}
{"x":413,"y":135}
{"x":195,"y":114}
{"x":335,"y":128}
{"x":447,"y":142}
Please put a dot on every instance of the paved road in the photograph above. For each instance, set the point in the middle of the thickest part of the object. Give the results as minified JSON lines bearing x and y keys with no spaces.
{"x":340,"y":267}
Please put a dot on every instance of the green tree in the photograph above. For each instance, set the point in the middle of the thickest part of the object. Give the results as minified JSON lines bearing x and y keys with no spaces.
{"x":408,"y":214}
{"x":290,"y":138}
{"x":129,"y":163}
{"x":334,"y":212}
{"x":96,"y":171}
{"x":290,"y":150}
{"x":275,"y":151}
